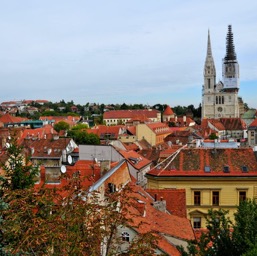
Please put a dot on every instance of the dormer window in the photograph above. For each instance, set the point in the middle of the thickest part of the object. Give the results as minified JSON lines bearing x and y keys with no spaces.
{"x":244,"y":168}
{"x":207,"y":169}
{"x":125,"y":236}
{"x":226,"y":169}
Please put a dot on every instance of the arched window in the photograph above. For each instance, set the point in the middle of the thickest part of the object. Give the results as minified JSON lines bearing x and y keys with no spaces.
{"x":217,"y":101}
{"x":125,"y":236}
{"x":222,"y":99}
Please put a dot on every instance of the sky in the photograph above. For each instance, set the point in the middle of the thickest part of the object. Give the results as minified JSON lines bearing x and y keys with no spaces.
{"x":122,"y":51}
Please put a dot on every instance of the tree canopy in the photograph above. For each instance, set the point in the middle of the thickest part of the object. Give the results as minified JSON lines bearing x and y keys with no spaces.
{"x":224,"y":238}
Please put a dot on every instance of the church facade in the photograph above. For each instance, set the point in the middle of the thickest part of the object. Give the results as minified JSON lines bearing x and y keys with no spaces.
{"x":221,"y":100}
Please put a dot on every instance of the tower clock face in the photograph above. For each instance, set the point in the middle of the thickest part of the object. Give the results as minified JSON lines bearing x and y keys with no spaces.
{"x":220,"y":109}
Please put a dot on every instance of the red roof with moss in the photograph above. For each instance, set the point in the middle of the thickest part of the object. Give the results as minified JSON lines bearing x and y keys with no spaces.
{"x":239,"y":162}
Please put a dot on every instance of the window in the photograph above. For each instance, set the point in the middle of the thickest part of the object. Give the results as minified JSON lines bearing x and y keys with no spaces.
{"x":197,"y":198}
{"x":215,"y":198}
{"x":242,"y":196}
{"x":197,"y":222}
{"x":226,"y":169}
{"x":125,"y":236}
{"x":207,"y":168}
{"x":244,"y":168}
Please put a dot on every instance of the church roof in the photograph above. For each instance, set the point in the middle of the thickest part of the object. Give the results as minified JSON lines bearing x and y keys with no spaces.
{"x":168,"y":111}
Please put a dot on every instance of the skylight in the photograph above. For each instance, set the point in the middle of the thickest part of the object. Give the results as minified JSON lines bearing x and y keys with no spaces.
{"x":207,"y":168}
{"x":244,"y":168}
{"x":226,"y":169}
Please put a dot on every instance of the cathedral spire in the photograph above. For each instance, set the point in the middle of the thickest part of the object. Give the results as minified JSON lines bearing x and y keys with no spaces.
{"x":209,"y":52}
{"x":209,"y":62}
{"x":230,"y":49}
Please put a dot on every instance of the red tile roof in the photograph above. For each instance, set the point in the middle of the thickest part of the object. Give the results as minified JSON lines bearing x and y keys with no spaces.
{"x":131,"y":146}
{"x":38,"y":133}
{"x":233,"y":123}
{"x":175,"y":199}
{"x":130,"y":113}
{"x":71,"y":120}
{"x":253,"y":123}
{"x":159,"y":128}
{"x":131,"y":129}
{"x":155,"y":220}
{"x":87,"y":170}
{"x":47,"y":148}
{"x":135,"y":159}
{"x":140,"y":119}
{"x":168,"y":111}
{"x":7,"y":118}
{"x":102,"y":131}
{"x":192,"y":162}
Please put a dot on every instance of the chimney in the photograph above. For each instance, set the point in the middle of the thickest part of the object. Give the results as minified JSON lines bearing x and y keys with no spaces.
{"x":105,"y":166}
{"x":160,"y":205}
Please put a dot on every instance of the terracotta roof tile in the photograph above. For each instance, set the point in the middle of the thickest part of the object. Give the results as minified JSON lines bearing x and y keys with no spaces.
{"x":192,"y":162}
{"x":253,"y":123}
{"x":130,"y":113}
{"x":168,"y":111}
{"x":135,"y":159}
{"x":7,"y":118}
{"x":233,"y":123}
{"x":156,"y":220}
{"x":175,"y":200}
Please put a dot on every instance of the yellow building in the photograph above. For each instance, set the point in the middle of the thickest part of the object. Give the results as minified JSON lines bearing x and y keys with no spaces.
{"x":153,"y":133}
{"x":212,"y":178}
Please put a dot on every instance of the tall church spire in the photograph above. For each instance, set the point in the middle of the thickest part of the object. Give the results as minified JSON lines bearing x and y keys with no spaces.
{"x":209,"y":52}
{"x":209,"y":62}
{"x":209,"y":67}
{"x":230,"y":49}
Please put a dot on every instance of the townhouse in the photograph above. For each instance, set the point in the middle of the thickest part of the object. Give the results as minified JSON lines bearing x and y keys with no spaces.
{"x":212,"y":177}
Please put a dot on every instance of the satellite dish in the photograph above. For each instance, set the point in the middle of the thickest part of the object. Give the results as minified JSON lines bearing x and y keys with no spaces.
{"x":69,"y":159}
{"x":7,"y":145}
{"x":63,"y":169}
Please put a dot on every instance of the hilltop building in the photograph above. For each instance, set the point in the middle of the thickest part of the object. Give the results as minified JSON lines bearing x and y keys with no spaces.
{"x":221,"y":99}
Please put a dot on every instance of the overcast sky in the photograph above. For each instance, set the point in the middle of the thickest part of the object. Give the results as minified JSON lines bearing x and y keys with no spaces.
{"x":118,"y":51}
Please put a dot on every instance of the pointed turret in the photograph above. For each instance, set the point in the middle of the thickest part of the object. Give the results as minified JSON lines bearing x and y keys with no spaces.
{"x":209,"y":52}
{"x":209,"y":68}
{"x":230,"y":53}
{"x":209,"y":62}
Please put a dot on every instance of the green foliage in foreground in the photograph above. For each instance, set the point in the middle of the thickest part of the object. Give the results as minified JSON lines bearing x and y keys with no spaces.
{"x":223,"y":238}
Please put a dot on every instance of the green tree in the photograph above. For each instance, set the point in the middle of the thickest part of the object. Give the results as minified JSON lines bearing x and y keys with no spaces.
{"x":217,"y":240}
{"x":223,"y":238}
{"x":44,"y":222}
{"x":81,"y":137}
{"x":79,"y":127}
{"x":62,"y":125}
{"x":213,"y":136}
{"x":19,"y":171}
{"x":245,"y":229}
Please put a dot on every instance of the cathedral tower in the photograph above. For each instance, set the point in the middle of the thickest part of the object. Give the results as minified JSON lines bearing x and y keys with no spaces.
{"x":221,"y":99}
{"x":230,"y":67}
